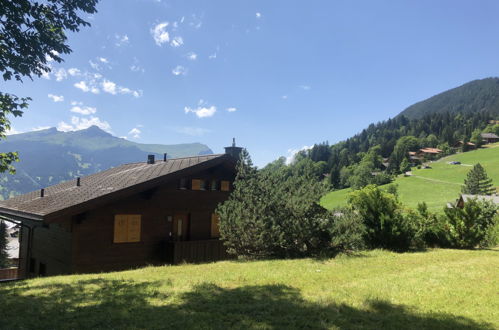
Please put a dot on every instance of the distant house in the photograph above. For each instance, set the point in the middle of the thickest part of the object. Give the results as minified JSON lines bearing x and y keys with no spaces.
{"x":414,"y":158}
{"x":460,"y":143}
{"x":154,"y":212}
{"x":423,"y":153}
{"x":489,"y":138}
{"x":464,"y":198}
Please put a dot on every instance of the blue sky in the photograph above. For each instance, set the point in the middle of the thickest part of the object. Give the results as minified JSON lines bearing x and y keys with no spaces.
{"x":277,"y":75}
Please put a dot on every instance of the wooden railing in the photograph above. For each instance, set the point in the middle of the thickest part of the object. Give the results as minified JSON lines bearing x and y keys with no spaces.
{"x":8,"y":273}
{"x":196,"y":251}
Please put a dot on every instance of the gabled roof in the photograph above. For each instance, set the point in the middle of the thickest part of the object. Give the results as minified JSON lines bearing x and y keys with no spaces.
{"x":489,"y":136}
{"x":66,"y":195}
{"x":493,"y":198}
{"x":430,"y":150}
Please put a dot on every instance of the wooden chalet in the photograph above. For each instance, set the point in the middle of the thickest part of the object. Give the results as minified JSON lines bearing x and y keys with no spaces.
{"x":460,"y":144}
{"x":489,"y":138}
{"x":149,"y":213}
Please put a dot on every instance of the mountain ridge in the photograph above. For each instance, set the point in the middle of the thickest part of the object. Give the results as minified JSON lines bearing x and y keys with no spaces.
{"x":50,"y":156}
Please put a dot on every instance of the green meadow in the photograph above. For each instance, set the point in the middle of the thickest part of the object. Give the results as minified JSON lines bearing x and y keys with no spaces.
{"x":436,"y":289}
{"x":435,"y":186}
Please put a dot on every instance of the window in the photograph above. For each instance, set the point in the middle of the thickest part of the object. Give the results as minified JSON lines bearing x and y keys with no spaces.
{"x":214,"y":185}
{"x":215,"y":223}
{"x":225,"y":186}
{"x":127,"y":228}
{"x":198,"y":184}
{"x":183,"y":184}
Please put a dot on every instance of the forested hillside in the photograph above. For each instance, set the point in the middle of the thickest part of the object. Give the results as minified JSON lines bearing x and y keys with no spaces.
{"x":476,"y":96}
{"x":381,"y":150}
{"x":49,"y":156}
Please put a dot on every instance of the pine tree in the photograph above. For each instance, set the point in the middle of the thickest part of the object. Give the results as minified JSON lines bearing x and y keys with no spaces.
{"x":3,"y":245}
{"x":477,"y":182}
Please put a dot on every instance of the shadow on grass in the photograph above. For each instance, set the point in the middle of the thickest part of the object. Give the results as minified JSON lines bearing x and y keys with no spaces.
{"x":103,"y":303}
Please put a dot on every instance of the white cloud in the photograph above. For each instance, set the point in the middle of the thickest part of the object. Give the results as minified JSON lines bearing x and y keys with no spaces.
{"x":258,"y":15}
{"x":78,"y":123}
{"x":60,"y":74}
{"x":305,"y":87}
{"x":121,"y":40}
{"x":232,"y":109}
{"x":179,"y":70}
{"x":12,"y":131}
{"x":137,"y":68}
{"x":192,"y":131}
{"x":84,"y":110}
{"x":109,"y":87}
{"x":74,"y":72}
{"x":292,"y":153}
{"x":202,"y":111}
{"x":177,"y":42}
{"x":284,"y":97}
{"x":160,"y":34}
{"x":212,"y":56}
{"x":113,"y":89}
{"x":82,"y":85}
{"x":94,"y":65}
{"x":56,"y":98}
{"x":103,"y":60}
{"x":49,"y":58}
{"x":135,"y":133}
{"x":192,"y":56}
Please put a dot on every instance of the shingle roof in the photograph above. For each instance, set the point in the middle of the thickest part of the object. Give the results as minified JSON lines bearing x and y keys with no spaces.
{"x":67,"y":194}
{"x":489,"y":136}
{"x":493,"y":198}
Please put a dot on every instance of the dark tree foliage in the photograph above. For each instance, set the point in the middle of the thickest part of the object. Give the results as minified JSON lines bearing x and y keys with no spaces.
{"x":274,"y":212}
{"x":477,"y":182}
{"x":468,"y":226}
{"x":3,"y":245}
{"x":31,"y":32}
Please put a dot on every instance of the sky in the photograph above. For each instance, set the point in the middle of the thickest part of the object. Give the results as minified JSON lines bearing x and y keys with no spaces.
{"x":277,"y":75}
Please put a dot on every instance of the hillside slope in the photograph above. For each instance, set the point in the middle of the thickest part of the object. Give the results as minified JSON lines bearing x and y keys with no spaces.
{"x":50,"y":156}
{"x":436,"y":186}
{"x":438,"y":289}
{"x":475,"y":96}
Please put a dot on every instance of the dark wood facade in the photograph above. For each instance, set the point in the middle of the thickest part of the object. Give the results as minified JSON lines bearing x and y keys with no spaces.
{"x":171,"y":213}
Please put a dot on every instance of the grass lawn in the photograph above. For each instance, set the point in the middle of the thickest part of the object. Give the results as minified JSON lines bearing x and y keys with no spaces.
{"x":435,"y":186}
{"x":437,"y":289}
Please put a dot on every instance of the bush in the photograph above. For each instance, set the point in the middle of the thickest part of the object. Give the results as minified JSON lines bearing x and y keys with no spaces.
{"x":381,"y":213}
{"x":347,"y":231}
{"x":275,"y":213}
{"x":472,"y":225}
{"x":429,"y":230}
{"x":492,"y":236}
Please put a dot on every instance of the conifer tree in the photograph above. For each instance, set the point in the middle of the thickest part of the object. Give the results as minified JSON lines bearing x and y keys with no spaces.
{"x":3,"y":245}
{"x":477,"y":182}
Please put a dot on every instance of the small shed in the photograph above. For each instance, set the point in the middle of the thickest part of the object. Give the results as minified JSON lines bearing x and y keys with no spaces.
{"x":489,"y":138}
{"x":466,"y":197}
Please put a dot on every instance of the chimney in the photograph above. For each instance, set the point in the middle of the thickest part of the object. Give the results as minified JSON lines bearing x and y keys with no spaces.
{"x":78,"y":182}
{"x":42,"y":192}
{"x":164,"y":156}
{"x":150,"y":159}
{"x":233,"y":150}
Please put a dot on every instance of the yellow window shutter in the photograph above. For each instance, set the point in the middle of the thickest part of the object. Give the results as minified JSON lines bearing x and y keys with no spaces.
{"x":120,"y":228}
{"x":134,"y":224}
{"x":215,"y":225}
{"x":196,"y":184}
{"x":225,"y":186}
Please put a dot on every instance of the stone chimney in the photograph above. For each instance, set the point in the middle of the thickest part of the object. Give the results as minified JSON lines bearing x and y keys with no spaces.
{"x":233,"y":150}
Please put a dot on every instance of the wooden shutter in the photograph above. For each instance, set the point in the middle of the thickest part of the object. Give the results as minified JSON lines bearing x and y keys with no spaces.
{"x":196,"y":184}
{"x":127,"y":228}
{"x":120,"y":228}
{"x":225,"y":186}
{"x":215,"y":225}
{"x":134,"y":228}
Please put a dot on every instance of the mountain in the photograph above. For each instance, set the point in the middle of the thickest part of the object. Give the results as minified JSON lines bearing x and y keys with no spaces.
{"x":49,"y":156}
{"x":475,"y":96}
